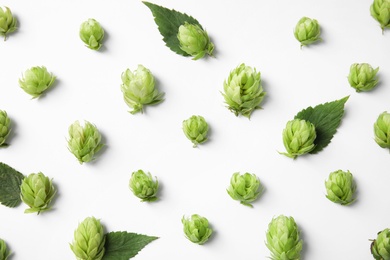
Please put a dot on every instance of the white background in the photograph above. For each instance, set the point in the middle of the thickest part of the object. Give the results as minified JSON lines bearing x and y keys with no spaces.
{"x":258,"y":33}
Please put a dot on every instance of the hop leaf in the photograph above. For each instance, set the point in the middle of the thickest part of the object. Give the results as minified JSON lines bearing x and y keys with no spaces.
{"x":92,"y":34}
{"x":37,"y":191}
{"x":380,"y":11}
{"x":36,"y":80}
{"x":340,"y":187}
{"x":5,"y":127}
{"x":243,"y":92}
{"x":196,"y":129}
{"x":84,"y":142}
{"x":307,"y":31}
{"x":380,"y":247}
{"x":196,"y":229}
{"x":245,"y":188}
{"x":143,"y":186}
{"x":283,"y":239}
{"x":138,"y":89}
{"x":362,"y":77}
{"x":4,"y":252}
{"x":7,"y":22}
{"x":382,"y":130}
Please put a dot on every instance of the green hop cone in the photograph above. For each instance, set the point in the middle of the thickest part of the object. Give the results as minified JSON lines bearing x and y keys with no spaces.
{"x":194,"y":41}
{"x":7,"y":22}
{"x":362,"y":77}
{"x":382,"y":130}
{"x":37,"y":191}
{"x":340,"y":187}
{"x":243,"y":91}
{"x":84,"y":141}
{"x":380,"y":247}
{"x":196,"y":229}
{"x":283,"y":239}
{"x":4,"y":252}
{"x":307,"y":31}
{"x":196,"y":129}
{"x":139,"y":89}
{"x":89,"y":239}
{"x":5,"y":127}
{"x":380,"y":10}
{"x":36,"y":80}
{"x":298,"y":137}
{"x":144,"y":186}
{"x":92,"y":34}
{"x":245,"y":188}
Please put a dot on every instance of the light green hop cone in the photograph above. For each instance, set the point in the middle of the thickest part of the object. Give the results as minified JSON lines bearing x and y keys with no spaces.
{"x":37,"y":191}
{"x":196,"y":229}
{"x":380,"y":247}
{"x":196,"y":129}
{"x":194,"y":41}
{"x":36,"y":81}
{"x":139,"y":89}
{"x":382,"y":130}
{"x":8,"y":22}
{"x":243,"y":91}
{"x":144,"y":186}
{"x":362,"y":77}
{"x":89,"y":239}
{"x":5,"y":127}
{"x":245,"y":188}
{"x":4,"y":252}
{"x":340,"y":187}
{"x":84,"y":141}
{"x":307,"y":31}
{"x":283,"y":239}
{"x":380,"y":11}
{"x":92,"y":34}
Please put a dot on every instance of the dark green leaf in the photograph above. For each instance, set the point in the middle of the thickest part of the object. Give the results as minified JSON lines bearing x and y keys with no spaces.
{"x":122,"y":245}
{"x":10,"y":181}
{"x":168,"y":22}
{"x":326,"y":118}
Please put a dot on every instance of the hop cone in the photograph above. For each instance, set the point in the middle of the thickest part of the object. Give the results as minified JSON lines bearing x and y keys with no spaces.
{"x":307,"y":31}
{"x":84,"y":142}
{"x":243,"y":92}
{"x":382,"y":130}
{"x":89,"y":239}
{"x":283,"y":239}
{"x":194,"y":41}
{"x":298,"y":137}
{"x":340,"y":187}
{"x":139,"y":89}
{"x":196,"y":229}
{"x":362,"y":77}
{"x":36,"y":80}
{"x":144,"y":186}
{"x":92,"y":34}
{"x":37,"y":191}
{"x":196,"y":129}
{"x":4,"y":252}
{"x":245,"y":188}
{"x":380,"y":247}
{"x":380,"y":10}
{"x":7,"y":22}
{"x":5,"y":127}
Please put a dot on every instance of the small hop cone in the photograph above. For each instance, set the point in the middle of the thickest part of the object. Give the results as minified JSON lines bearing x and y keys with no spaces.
{"x":307,"y":31}
{"x":245,"y":188}
{"x":382,"y":130}
{"x":196,"y":129}
{"x":8,"y":22}
{"x":4,"y":252}
{"x":380,"y":11}
{"x":36,"y":81}
{"x":380,"y":247}
{"x":196,"y":229}
{"x":92,"y":34}
{"x":340,"y":187}
{"x":144,"y":186}
{"x":5,"y":127}
{"x":362,"y":77}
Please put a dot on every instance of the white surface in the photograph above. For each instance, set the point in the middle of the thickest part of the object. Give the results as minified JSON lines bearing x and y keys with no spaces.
{"x":258,"y":33}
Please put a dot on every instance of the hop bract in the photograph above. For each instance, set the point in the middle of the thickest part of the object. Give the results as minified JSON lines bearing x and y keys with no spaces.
{"x":380,"y":247}
{"x":196,"y":129}
{"x":36,"y":80}
{"x":89,"y":239}
{"x":37,"y":191}
{"x":5,"y":127}
{"x":283,"y":239}
{"x":243,"y":91}
{"x":245,"y":188}
{"x":144,"y":186}
{"x":196,"y":229}
{"x":84,"y":141}
{"x":4,"y":252}
{"x":362,"y":77}
{"x":92,"y":34}
{"x":382,"y":130}
{"x":139,"y":89}
{"x":340,"y":187}
{"x":194,"y":41}
{"x":7,"y":22}
{"x":298,"y":137}
{"x":307,"y":31}
{"x":380,"y":10}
